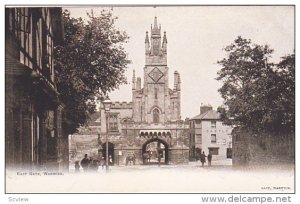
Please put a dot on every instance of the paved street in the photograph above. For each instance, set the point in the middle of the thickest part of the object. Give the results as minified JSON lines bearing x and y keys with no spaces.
{"x":215,"y":164}
{"x":190,"y":178}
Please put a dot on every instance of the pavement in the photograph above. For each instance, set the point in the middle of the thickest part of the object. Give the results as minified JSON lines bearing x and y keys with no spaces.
{"x":220,"y":164}
{"x":221,"y":177}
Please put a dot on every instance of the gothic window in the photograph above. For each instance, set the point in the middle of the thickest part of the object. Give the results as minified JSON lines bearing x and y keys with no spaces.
{"x":155,"y":46}
{"x":155,"y":116}
{"x":113,"y":123}
{"x":214,"y":150}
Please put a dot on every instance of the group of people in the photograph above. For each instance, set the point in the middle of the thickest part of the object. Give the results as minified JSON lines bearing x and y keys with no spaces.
{"x":90,"y":164}
{"x":203,"y":158}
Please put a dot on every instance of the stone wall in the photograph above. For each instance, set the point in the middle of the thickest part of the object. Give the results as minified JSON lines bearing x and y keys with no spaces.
{"x":179,"y":155}
{"x":262,"y":149}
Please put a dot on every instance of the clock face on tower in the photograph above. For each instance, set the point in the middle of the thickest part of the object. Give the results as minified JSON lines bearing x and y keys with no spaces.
{"x":156,"y":74}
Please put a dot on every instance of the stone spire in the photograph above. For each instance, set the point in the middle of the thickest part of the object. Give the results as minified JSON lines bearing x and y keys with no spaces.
{"x":155,"y":39}
{"x":155,"y":30}
{"x":177,"y":81}
{"x":164,"y":43}
{"x":165,"y":38}
{"x":138,"y":83}
{"x":147,"y":38}
{"x":155,"y":22}
{"x":147,"y":43}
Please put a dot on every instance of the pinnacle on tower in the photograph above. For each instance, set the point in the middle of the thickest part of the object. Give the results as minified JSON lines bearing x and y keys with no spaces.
{"x":178,"y":83}
{"x":175,"y":80}
{"x":147,"y":43}
{"x":155,"y":30}
{"x":155,"y":22}
{"x":138,"y":83}
{"x":147,"y":38}
{"x":164,"y":43}
{"x":165,"y":38}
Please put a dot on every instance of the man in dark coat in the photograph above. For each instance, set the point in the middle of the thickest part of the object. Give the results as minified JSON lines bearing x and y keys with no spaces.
{"x":85,"y":163}
{"x":209,"y":157}
{"x":202,"y":158}
{"x":77,"y":167}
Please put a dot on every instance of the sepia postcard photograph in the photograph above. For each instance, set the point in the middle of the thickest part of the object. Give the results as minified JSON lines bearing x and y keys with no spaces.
{"x":150,"y":99}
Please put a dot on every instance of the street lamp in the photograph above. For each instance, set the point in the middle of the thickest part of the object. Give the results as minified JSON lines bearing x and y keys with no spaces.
{"x":100,"y":148}
{"x":106,"y":104}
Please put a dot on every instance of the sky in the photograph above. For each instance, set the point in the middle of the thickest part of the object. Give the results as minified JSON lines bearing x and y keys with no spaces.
{"x":196,"y":38}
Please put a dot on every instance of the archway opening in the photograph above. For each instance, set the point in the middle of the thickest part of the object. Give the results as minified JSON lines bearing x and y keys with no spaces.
{"x":155,"y":151}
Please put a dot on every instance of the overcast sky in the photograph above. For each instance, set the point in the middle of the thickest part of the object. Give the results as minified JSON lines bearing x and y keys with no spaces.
{"x":196,"y":38}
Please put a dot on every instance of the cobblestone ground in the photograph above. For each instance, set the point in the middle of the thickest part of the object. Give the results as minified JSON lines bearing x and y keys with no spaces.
{"x":192,"y":178}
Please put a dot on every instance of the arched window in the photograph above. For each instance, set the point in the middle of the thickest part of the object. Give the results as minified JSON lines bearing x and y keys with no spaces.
{"x":155,"y":116}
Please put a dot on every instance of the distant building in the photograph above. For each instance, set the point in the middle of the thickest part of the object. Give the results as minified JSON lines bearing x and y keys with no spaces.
{"x":33,"y":134}
{"x":152,"y":121}
{"x":209,"y":134}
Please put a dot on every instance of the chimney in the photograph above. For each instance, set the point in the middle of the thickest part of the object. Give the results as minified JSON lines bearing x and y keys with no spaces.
{"x":138,"y":83}
{"x":205,"y":108}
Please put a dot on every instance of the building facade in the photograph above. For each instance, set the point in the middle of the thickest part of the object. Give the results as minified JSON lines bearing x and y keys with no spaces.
{"x":150,"y":125}
{"x":33,"y":112}
{"x":209,"y":134}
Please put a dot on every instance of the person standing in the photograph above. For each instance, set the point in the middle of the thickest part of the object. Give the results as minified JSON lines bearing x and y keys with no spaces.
{"x":110,"y":160}
{"x":159,"y":158}
{"x":103,"y":162}
{"x":209,"y":158}
{"x":85,"y":163}
{"x":202,"y":158}
{"x":77,"y":167}
{"x":94,"y":165}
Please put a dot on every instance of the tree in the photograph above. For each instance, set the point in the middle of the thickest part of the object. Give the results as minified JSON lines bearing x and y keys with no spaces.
{"x":91,"y":63}
{"x":258,"y":94}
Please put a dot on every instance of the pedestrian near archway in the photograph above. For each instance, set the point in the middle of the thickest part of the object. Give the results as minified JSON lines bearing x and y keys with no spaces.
{"x":209,"y":158}
{"x":85,"y":163}
{"x":202,"y":158}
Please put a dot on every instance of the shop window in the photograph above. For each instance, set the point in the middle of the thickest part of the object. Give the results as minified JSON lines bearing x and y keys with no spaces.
{"x":214,"y":150}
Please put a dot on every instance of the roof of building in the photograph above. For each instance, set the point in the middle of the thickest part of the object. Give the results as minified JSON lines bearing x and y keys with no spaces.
{"x":209,"y":115}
